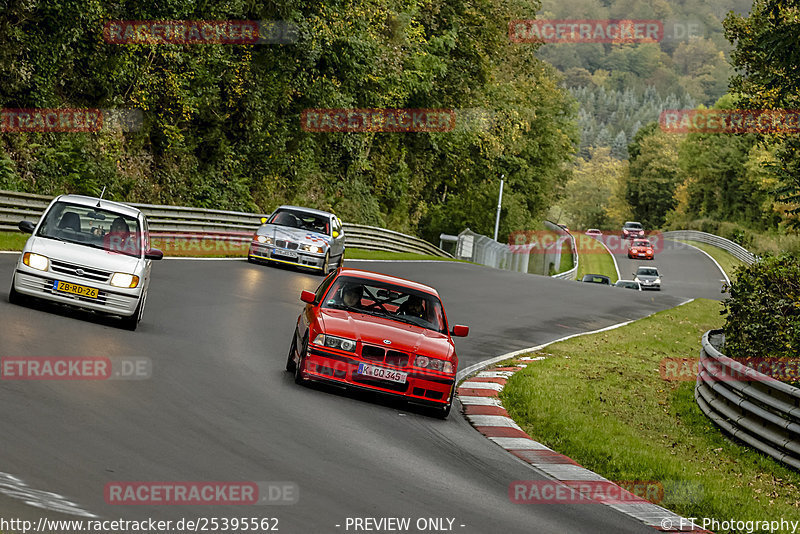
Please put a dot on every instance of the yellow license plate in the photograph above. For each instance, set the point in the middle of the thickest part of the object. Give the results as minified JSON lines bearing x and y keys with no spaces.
{"x":75,"y":289}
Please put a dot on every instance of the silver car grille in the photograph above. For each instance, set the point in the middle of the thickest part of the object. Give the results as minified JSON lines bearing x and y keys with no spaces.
{"x":282,"y":243}
{"x":80,"y":271}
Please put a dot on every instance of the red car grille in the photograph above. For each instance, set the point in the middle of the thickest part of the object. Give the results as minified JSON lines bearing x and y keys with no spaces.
{"x":390,"y":357}
{"x":385,"y":384}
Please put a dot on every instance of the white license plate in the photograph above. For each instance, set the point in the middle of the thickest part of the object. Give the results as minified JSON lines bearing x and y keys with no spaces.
{"x":382,"y":373}
{"x":284,"y":253}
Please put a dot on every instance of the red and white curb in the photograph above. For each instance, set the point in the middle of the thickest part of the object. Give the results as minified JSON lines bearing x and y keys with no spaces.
{"x":479,"y":397}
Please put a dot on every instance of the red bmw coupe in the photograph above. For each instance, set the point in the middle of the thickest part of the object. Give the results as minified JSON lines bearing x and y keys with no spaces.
{"x":368,"y":330}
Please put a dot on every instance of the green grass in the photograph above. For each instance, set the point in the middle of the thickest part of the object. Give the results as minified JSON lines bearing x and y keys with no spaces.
{"x":212,"y":249}
{"x":726,"y":260}
{"x":12,"y":240}
{"x":566,"y":256}
{"x":593,"y":258}
{"x":363,"y":254}
{"x":600,"y":400}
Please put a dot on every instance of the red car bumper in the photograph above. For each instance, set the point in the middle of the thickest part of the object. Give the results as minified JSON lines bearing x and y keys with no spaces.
{"x":420,"y":387}
{"x":640,"y":255}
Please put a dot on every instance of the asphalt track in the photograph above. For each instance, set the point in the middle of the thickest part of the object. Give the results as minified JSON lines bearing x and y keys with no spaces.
{"x":220,"y":407}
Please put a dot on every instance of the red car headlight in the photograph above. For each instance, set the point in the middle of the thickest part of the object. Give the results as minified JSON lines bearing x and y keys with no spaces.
{"x":335,"y":342}
{"x":434,"y":364}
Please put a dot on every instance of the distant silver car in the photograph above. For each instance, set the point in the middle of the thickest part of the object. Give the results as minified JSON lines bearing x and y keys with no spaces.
{"x":88,"y":253}
{"x":649,"y":277}
{"x":302,"y":237}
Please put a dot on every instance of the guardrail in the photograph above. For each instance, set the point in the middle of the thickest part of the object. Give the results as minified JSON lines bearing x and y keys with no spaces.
{"x":571,"y":273}
{"x":735,"y":249}
{"x":755,"y":408}
{"x":233,"y":225}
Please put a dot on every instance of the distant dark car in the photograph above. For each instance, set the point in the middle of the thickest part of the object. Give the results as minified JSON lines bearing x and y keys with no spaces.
{"x":641,"y":248}
{"x":628,"y":284}
{"x":596,"y":279}
{"x":649,"y":277}
{"x":632,"y":229}
{"x":594,"y":232}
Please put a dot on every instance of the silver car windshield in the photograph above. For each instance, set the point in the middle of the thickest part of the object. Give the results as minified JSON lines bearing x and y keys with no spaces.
{"x":93,"y":227}
{"x":644,"y":271}
{"x":386,"y":300}
{"x":302,"y":220}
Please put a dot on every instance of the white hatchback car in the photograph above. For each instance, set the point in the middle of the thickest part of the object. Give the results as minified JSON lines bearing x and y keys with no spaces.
{"x":88,"y":253}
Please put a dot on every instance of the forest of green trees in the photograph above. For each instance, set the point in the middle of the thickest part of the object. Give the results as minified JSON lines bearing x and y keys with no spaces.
{"x":222,"y":127}
{"x":569,"y":126}
{"x":740,"y":185}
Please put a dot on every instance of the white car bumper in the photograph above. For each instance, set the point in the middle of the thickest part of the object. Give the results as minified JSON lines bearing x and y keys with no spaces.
{"x":111,"y":300}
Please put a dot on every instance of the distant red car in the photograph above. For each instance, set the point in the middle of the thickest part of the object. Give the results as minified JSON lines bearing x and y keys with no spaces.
{"x":641,"y":248}
{"x":378,"y":332}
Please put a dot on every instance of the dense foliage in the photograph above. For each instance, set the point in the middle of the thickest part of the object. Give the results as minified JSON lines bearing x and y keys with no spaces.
{"x":222,"y":122}
{"x":767,"y":57}
{"x":763,"y":311}
{"x":622,"y":86}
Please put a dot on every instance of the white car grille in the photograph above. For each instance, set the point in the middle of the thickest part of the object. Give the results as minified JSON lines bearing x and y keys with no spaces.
{"x":80,"y":271}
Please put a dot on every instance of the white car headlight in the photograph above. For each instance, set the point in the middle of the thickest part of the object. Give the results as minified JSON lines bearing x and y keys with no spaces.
{"x":335,"y":342}
{"x":36,"y":261}
{"x":124,"y":280}
{"x":263,"y":239}
{"x":312,"y":248}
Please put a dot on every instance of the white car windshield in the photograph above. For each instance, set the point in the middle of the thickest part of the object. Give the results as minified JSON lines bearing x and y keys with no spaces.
{"x":386,"y":300}
{"x":93,"y":227}
{"x":644,"y":271}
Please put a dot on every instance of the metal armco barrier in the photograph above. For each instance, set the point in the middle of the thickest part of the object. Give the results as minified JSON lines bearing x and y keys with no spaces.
{"x":177,"y":220}
{"x":571,"y":273}
{"x":737,"y":250}
{"x":530,"y":257}
{"x":755,"y":408}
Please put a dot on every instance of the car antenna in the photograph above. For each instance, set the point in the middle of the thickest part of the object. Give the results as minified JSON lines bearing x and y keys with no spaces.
{"x":103,"y":192}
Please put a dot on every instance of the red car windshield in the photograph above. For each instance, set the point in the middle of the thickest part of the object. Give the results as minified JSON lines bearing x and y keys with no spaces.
{"x":380,"y":299}
{"x":644,"y":244}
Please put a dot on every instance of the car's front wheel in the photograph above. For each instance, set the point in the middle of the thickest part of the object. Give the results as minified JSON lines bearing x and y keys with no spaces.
{"x":290,"y":365}
{"x":14,"y":296}
{"x":326,"y":265}
{"x":132,"y":322}
{"x":444,"y":411}
{"x":301,"y":361}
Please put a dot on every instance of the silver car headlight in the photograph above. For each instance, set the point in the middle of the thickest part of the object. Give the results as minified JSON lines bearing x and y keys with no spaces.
{"x":129,"y":281}
{"x":312,"y":248}
{"x":36,"y":261}
{"x":263,"y":239}
{"x":335,"y":342}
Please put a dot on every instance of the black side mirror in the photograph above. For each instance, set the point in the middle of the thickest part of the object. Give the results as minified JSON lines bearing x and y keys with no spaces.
{"x":26,"y":226}
{"x":153,"y":254}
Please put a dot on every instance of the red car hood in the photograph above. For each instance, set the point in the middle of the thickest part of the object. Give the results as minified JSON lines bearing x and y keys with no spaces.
{"x":373,"y":330}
